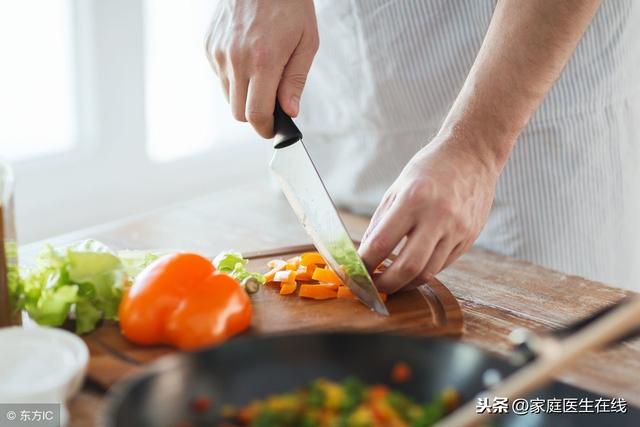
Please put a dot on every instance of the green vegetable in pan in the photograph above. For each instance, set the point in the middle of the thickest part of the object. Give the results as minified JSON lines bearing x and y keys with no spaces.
{"x":349,"y":403}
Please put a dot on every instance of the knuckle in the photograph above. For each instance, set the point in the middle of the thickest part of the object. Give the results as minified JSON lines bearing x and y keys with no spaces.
{"x":219,"y":56}
{"x":418,"y":192}
{"x":314,"y":43}
{"x":461,"y":226}
{"x":261,"y":57}
{"x":409,"y":267}
{"x":428,"y":273}
{"x":238,"y":114}
{"x":297,"y":80}
{"x":235,"y":54}
{"x":257,"y":118}
{"x":444,"y":208}
{"x":378,"y":244}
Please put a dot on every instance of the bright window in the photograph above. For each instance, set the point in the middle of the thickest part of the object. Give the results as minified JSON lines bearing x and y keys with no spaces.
{"x":185,"y":107}
{"x":36,"y":88}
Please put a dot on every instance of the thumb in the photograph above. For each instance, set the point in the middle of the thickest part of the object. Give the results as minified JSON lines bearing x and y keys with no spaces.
{"x":294,"y":77}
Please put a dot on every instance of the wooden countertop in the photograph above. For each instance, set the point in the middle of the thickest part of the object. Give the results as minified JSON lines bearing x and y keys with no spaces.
{"x":497,"y":293}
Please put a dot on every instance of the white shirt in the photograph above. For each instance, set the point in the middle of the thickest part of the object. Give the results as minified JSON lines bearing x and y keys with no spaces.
{"x":387,"y":73}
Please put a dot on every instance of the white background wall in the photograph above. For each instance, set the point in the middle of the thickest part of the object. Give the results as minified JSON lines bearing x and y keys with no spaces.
{"x":150,"y":127}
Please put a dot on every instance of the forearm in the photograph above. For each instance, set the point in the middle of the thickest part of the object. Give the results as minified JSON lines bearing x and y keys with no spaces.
{"x":524,"y":51}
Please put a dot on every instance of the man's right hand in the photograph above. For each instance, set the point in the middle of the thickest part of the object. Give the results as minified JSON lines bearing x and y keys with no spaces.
{"x":261,"y":49}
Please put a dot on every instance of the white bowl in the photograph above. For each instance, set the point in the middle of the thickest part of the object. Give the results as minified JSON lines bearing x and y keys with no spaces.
{"x":41,"y":365}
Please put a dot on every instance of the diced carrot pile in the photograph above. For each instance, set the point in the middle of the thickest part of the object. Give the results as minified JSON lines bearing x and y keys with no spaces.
{"x":315,"y":278}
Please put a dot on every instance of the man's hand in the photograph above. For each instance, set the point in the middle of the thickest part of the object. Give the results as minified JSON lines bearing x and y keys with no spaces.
{"x":442,"y":198}
{"x":260,"y":49}
{"x":440,"y":201}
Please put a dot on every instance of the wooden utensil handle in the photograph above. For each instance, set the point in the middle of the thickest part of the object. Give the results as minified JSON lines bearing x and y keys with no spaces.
{"x":595,"y":335}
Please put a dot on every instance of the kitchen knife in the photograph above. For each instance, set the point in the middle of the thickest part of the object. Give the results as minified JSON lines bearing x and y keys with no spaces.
{"x":307,"y":195}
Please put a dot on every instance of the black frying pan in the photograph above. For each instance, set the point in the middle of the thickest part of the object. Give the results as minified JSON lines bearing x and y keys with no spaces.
{"x":249,"y":368}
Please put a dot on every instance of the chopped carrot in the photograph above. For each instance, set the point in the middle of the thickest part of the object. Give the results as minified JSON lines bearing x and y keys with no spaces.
{"x":311,"y":268}
{"x":382,"y":267}
{"x":312,"y":258}
{"x":333,"y":286}
{"x":378,"y":392}
{"x":302,"y":274}
{"x":285,"y":276}
{"x":293,"y":263}
{"x":345,"y":292}
{"x":401,"y":372}
{"x":320,"y":291}
{"x":275,"y":266}
{"x":288,"y":288}
{"x":326,"y":275}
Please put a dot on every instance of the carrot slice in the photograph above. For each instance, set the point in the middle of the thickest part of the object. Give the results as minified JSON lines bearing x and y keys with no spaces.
{"x":311,"y":268}
{"x":314,"y":258}
{"x":285,"y":276}
{"x":275,"y":265}
{"x":302,"y":274}
{"x":326,"y":275}
{"x":320,"y":291}
{"x":288,"y":288}
{"x":345,"y":292}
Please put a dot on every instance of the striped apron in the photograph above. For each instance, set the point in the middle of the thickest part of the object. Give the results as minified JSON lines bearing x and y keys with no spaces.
{"x":569,"y":197}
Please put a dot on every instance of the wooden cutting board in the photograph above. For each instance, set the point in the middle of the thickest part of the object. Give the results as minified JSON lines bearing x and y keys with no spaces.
{"x":429,"y":310}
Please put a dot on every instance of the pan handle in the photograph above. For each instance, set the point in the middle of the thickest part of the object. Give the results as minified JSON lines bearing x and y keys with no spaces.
{"x":529,"y":345}
{"x":286,"y":132}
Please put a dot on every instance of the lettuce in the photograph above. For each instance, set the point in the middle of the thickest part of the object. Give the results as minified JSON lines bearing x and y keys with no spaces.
{"x":85,"y":280}
{"x":343,"y":251}
{"x":232,"y":263}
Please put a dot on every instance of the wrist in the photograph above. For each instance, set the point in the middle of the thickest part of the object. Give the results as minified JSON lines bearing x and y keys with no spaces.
{"x":489,"y":146}
{"x":482,"y":131}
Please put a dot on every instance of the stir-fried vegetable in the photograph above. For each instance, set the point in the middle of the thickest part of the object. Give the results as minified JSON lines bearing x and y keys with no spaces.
{"x":348,"y":403}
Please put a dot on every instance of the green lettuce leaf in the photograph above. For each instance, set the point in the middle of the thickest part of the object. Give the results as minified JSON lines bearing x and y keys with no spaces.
{"x":85,"y":280}
{"x":134,"y":262}
{"x":232,"y":263}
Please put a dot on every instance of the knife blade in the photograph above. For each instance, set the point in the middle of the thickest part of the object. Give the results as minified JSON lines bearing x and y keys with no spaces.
{"x":301,"y":184}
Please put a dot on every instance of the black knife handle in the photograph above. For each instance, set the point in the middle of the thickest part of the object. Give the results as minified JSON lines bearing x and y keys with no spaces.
{"x":286,"y":132}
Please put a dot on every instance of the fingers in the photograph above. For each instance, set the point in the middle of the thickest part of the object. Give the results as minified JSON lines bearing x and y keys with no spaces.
{"x":457,"y":252}
{"x":294,"y":77}
{"x":237,"y":98}
{"x":382,"y":208}
{"x":410,"y":263}
{"x":385,"y":237}
{"x":261,"y":101}
{"x":257,"y":56}
{"x":225,"y":86}
{"x":437,"y":260}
